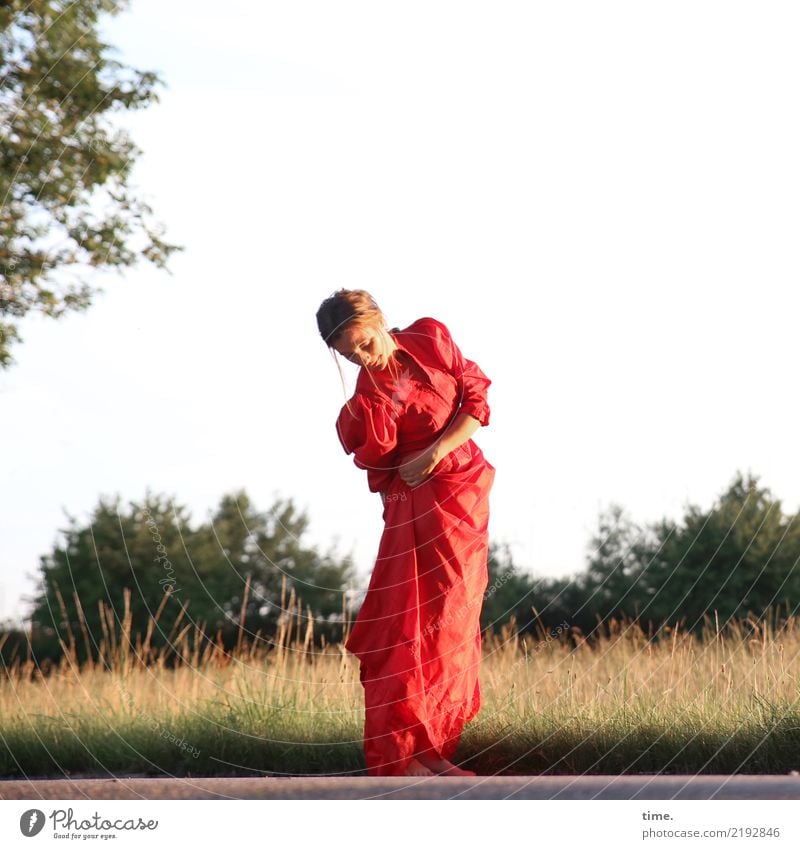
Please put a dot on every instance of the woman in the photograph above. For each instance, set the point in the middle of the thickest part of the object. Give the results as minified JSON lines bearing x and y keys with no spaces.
{"x":417,"y":635}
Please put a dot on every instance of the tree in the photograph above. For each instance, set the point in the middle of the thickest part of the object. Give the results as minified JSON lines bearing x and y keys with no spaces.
{"x":65,"y":201}
{"x":510,"y":592}
{"x":739,"y":557}
{"x":619,"y":553}
{"x":152,"y":549}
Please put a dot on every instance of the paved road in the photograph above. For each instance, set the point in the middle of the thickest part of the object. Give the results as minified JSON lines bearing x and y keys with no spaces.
{"x":488,"y":787}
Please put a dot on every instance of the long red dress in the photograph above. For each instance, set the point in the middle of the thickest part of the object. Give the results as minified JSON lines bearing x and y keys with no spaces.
{"x":417,"y":634}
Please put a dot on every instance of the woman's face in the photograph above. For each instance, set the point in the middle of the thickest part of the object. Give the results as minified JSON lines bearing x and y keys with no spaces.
{"x":364,"y":346}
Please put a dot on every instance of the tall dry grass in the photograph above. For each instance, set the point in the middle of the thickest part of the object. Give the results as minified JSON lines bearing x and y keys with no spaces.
{"x":618,"y":702}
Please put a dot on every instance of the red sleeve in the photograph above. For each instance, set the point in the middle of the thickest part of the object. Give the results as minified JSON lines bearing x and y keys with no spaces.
{"x":370,"y":433}
{"x":473,"y":383}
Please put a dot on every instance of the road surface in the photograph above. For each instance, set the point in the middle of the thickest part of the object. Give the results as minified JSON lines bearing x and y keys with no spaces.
{"x":363,"y":787}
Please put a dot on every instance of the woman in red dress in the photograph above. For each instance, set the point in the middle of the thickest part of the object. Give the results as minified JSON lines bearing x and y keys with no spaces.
{"x":417,"y":635}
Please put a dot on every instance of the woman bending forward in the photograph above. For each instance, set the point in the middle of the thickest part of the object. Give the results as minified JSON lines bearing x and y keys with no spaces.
{"x":417,"y":635}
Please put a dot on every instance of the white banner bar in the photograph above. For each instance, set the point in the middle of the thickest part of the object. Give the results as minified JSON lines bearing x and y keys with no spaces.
{"x":386,"y":824}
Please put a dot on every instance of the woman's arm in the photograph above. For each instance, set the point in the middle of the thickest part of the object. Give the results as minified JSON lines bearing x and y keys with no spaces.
{"x":457,"y":433}
{"x":414,"y":468}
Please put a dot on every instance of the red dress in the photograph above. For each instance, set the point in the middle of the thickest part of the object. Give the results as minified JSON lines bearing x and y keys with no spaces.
{"x":417,"y":634}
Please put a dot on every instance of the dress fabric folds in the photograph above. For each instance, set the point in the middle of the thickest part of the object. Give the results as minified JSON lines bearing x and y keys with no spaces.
{"x":417,"y":635}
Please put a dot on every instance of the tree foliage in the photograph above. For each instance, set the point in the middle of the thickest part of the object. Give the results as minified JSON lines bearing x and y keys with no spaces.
{"x":739,"y":557}
{"x":539,"y":607}
{"x":152,"y":549}
{"x":735,"y":559}
{"x":66,"y":206}
{"x":511,"y":592}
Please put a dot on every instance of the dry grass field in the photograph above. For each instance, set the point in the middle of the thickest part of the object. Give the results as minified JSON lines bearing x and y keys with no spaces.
{"x":723,"y":702}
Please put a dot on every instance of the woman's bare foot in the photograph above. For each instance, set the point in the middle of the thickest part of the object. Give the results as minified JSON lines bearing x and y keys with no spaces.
{"x":416,"y":768}
{"x":439,"y":766}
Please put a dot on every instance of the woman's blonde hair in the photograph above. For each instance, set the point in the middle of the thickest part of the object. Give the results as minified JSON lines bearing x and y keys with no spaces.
{"x":344,"y":309}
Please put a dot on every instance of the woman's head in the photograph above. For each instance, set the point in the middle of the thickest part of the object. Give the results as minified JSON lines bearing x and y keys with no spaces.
{"x":351,"y":323}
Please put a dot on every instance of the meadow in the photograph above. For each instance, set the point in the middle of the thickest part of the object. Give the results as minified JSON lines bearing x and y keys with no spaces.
{"x":617,"y":701}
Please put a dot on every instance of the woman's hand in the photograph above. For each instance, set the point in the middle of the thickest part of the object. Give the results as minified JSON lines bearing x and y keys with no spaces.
{"x":416,"y":467}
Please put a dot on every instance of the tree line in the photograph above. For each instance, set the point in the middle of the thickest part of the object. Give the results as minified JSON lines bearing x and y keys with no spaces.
{"x":736,"y":559}
{"x":240,"y":569}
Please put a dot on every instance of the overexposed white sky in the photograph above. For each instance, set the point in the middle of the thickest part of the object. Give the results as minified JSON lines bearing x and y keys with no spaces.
{"x":598,"y":199}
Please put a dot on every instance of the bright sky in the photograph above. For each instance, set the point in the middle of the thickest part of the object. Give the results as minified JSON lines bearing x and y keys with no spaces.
{"x":600,"y":200}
